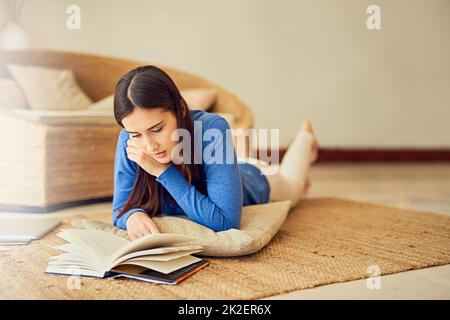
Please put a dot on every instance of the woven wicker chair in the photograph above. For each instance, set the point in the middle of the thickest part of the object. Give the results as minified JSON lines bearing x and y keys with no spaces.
{"x":45,"y":167}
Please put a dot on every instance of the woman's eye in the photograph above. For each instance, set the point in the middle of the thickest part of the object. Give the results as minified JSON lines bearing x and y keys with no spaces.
{"x":157,"y":130}
{"x":136,"y":136}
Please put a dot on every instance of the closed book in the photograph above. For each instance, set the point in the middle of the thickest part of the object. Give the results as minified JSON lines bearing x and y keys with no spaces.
{"x":148,"y":275}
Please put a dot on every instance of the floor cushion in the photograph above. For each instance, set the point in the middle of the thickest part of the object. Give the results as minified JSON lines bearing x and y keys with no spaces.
{"x":259,"y":224}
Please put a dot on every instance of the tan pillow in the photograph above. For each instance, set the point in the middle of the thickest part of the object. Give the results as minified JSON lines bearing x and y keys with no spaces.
{"x":259,"y":224}
{"x":200,"y":99}
{"x":49,"y":88}
{"x":11,"y":96}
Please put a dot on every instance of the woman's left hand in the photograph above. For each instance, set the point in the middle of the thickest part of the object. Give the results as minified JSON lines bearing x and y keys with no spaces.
{"x":137,"y":153}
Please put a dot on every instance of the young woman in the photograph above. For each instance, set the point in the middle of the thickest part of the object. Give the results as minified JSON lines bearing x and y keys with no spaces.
{"x":151,"y":176}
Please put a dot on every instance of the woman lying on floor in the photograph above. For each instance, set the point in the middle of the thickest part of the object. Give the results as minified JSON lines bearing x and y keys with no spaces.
{"x":151,"y":176}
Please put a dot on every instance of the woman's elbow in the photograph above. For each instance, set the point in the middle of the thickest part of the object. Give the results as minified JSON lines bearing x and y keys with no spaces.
{"x":224,"y":227}
{"x":229,"y":224}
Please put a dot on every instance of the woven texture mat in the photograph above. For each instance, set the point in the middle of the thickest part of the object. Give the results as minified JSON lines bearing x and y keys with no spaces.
{"x":322,"y":241}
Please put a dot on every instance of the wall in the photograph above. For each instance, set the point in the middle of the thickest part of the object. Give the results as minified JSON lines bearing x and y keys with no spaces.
{"x":287,"y":60}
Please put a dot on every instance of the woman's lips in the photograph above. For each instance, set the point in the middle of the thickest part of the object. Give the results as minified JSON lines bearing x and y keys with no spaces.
{"x":160,"y":155}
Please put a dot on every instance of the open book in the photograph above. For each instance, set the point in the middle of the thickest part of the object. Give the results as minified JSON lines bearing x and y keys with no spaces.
{"x":96,"y":253}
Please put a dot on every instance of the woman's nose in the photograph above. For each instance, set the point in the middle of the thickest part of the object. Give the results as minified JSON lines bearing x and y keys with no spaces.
{"x":150,"y":146}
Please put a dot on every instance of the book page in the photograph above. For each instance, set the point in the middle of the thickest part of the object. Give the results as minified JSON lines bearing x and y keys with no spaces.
{"x":69,"y":256}
{"x":73,"y":258}
{"x":71,"y":247}
{"x":70,"y":262}
{"x":68,"y":247}
{"x":165,"y":266}
{"x":150,"y":241}
{"x":160,"y":251}
{"x":165,"y":256}
{"x":71,"y":265}
{"x":98,"y":244}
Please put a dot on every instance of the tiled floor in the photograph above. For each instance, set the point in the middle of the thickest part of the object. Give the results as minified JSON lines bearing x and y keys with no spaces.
{"x":416,"y":186}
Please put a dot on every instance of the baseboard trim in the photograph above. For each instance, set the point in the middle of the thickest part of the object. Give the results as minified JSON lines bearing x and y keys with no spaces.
{"x":380,"y":155}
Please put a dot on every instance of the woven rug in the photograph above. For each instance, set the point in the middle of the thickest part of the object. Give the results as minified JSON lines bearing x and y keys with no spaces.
{"x":322,"y":241}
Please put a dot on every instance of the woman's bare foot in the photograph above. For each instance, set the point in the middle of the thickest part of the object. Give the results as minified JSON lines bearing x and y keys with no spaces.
{"x":306,"y":126}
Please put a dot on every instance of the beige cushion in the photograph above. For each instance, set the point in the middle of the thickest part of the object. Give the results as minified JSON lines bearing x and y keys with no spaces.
{"x":259,"y":224}
{"x":11,"y":96}
{"x":49,"y":88}
{"x":200,"y":98}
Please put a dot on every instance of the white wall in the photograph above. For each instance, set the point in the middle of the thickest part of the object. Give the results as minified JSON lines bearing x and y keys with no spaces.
{"x":287,"y":60}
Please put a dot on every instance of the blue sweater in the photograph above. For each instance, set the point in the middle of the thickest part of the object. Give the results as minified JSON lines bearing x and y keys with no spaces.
{"x":229,"y":186}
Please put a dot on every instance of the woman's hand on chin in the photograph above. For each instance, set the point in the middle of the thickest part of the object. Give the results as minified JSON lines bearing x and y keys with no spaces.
{"x":138,"y":154}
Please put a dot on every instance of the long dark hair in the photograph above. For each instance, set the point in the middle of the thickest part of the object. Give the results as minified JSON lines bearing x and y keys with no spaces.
{"x":150,"y":87}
